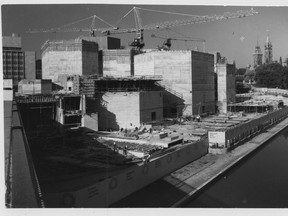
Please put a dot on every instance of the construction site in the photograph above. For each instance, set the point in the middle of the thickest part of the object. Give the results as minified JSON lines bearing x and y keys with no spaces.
{"x":105,"y":121}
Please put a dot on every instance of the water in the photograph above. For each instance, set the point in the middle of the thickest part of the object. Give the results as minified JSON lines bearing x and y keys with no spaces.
{"x":261,"y":181}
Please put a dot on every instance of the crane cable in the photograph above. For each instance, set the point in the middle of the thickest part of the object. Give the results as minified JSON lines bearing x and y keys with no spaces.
{"x":78,"y":21}
{"x":168,"y":12}
{"x":124,"y":16}
{"x":185,"y":36}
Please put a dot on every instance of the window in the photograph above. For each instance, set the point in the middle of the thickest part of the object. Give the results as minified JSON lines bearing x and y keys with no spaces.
{"x":203,"y":109}
{"x":153,"y":116}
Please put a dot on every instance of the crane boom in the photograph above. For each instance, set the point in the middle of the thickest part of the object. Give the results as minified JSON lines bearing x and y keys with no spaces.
{"x":139,"y":28}
{"x":193,"y":20}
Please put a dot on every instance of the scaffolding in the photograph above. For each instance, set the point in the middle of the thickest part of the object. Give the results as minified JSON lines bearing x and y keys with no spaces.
{"x":92,"y":85}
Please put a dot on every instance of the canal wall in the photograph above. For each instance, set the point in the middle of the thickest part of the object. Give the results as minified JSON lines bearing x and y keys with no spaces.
{"x":241,"y":133}
{"x":207,"y":176}
{"x":104,"y":193}
{"x":244,"y":132}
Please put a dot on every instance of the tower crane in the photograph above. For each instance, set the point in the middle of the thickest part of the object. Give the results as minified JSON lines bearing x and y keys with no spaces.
{"x":138,"y":42}
{"x":139,"y":29}
{"x":167,"y":43}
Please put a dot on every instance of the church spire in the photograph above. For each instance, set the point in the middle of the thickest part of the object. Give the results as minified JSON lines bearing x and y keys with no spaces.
{"x":267,"y":39}
{"x":257,"y":55}
{"x":268,"y":50}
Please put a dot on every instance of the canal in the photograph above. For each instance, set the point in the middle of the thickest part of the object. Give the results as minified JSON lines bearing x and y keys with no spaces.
{"x":260,"y":181}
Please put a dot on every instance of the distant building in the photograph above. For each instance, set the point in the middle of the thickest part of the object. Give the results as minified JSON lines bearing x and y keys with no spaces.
{"x":257,"y":55}
{"x":268,"y":51}
{"x":17,"y":64}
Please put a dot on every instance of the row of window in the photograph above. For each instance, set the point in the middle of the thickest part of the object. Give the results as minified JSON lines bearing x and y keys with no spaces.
{"x":15,"y":78}
{"x":20,"y":61}
{"x":14,"y":54}
{"x":14,"y":58}
{"x":10,"y":67}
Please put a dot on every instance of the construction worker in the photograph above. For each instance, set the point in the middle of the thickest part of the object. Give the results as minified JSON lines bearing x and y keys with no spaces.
{"x":147,"y":158}
{"x":114,"y":146}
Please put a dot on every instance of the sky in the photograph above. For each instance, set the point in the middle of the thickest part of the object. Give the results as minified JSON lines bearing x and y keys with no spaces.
{"x":233,"y":38}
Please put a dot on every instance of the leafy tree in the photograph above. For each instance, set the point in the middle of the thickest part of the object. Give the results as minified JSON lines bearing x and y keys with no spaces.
{"x":285,"y":77}
{"x":241,"y":88}
{"x":240,"y":71}
{"x":249,"y":75}
{"x":269,"y":75}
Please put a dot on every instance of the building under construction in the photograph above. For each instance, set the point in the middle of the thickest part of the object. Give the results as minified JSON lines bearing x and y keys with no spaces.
{"x":123,"y":102}
{"x":187,"y":77}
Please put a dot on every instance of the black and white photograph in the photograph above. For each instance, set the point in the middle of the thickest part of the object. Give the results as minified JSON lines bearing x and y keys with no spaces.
{"x":164,"y":107}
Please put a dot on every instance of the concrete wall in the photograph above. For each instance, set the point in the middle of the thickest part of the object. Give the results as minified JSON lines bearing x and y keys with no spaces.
{"x":231,"y":83}
{"x":225,"y":85}
{"x":186,"y":74}
{"x":114,"y":188}
{"x":91,"y":121}
{"x":221,"y":71}
{"x":175,"y":69}
{"x":77,"y":57}
{"x":35,"y":87}
{"x":89,"y":63}
{"x":46,"y":86}
{"x":14,"y":41}
{"x":89,"y":58}
{"x":29,"y":87}
{"x":30,"y":65}
{"x":151,"y":101}
{"x":38,"y":69}
{"x":105,"y":42}
{"x":203,"y":85}
{"x":117,"y":62}
{"x":7,"y":89}
{"x":118,"y":110}
{"x":64,"y":62}
{"x":8,"y":84}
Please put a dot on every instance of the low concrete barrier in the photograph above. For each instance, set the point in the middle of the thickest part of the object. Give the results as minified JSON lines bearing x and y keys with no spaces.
{"x":114,"y":188}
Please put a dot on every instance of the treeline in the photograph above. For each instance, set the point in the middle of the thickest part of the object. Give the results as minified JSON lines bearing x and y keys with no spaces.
{"x":272,"y":75}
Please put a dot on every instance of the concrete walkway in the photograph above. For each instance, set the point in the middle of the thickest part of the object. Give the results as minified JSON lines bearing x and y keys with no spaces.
{"x":177,"y":188}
